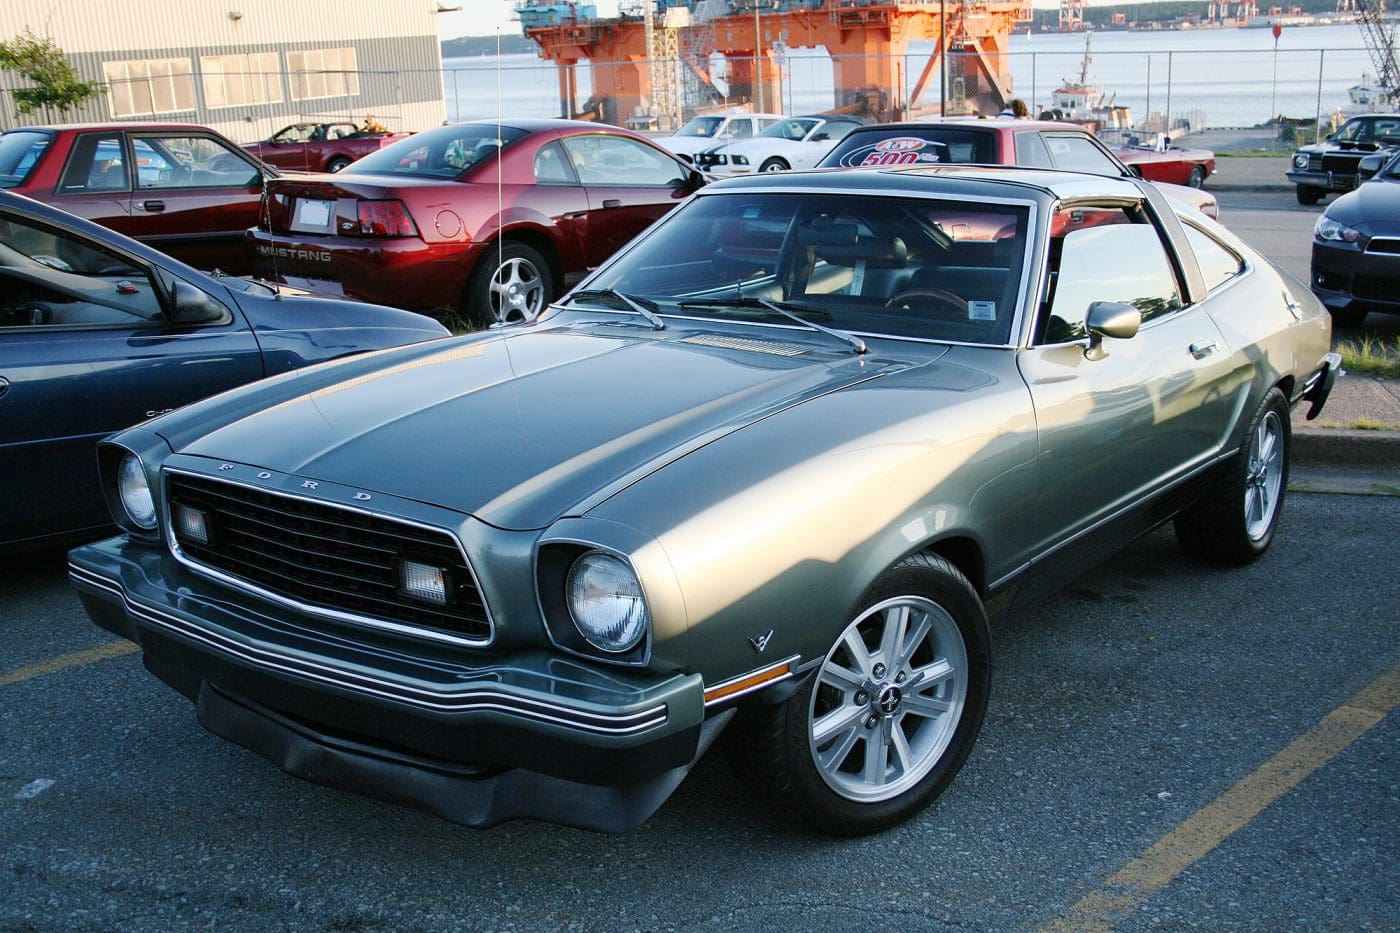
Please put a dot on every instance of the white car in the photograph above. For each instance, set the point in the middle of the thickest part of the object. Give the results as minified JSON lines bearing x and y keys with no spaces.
{"x":797,"y":142}
{"x":716,"y":129}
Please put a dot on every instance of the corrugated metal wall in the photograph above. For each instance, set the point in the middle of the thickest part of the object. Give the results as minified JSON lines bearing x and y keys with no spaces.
{"x":396,"y":43}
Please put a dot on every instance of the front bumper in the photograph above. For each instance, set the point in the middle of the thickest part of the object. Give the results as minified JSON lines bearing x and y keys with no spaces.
{"x":1346,"y":277}
{"x":1328,"y":181}
{"x":472,"y":736}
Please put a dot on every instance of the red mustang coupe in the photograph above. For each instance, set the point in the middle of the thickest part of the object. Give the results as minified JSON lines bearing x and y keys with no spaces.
{"x":492,"y":221}
{"x":184,"y":190}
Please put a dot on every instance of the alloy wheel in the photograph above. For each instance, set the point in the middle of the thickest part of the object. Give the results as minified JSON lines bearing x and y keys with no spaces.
{"x":1264,"y":476}
{"x":517,"y":291}
{"x":888,"y":699}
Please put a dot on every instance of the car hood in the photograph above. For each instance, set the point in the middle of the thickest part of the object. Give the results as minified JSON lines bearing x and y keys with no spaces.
{"x":1374,"y":208}
{"x":520,"y":428}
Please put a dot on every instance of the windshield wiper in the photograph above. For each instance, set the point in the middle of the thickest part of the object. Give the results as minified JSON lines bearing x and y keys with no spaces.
{"x":636,"y":304}
{"x":788,"y":310}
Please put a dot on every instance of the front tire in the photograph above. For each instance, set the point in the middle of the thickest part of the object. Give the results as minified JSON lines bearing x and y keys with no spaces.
{"x":883,"y":725}
{"x":1198,"y":177}
{"x":337,"y":163}
{"x":1235,"y":519}
{"x":1307,"y":194}
{"x":774,"y":164}
{"x":512,"y":282}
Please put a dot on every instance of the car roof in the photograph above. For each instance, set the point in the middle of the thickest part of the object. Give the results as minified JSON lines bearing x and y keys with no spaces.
{"x":139,"y":127}
{"x":989,"y":124}
{"x":969,"y":180}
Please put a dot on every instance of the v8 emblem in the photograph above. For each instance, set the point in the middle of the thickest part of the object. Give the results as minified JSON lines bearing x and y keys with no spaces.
{"x":760,"y":642}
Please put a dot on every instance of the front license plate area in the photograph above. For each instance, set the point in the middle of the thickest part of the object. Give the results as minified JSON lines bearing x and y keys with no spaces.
{"x":312,"y":215}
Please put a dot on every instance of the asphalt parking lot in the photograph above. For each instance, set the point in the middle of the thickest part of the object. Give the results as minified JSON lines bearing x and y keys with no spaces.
{"x":1168,"y":745}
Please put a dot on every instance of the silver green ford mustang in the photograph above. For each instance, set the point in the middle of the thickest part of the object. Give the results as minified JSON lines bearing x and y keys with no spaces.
{"x":767,"y":472}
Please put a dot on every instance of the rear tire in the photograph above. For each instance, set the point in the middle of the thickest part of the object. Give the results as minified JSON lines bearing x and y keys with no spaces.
{"x":1198,"y":177}
{"x":511,"y":283}
{"x":881,"y":728}
{"x":1307,"y":194}
{"x":1234,"y":520}
{"x":774,"y":164}
{"x":337,"y":163}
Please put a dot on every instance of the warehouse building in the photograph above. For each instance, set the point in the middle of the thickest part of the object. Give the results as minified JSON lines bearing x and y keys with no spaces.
{"x":244,"y":67}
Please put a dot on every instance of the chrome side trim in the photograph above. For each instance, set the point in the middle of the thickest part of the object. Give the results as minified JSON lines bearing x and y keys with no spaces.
{"x":483,"y":699}
{"x":790,"y":662}
{"x":338,"y":615}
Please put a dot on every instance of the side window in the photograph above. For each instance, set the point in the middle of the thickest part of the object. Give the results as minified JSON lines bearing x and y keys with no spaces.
{"x":1219,"y":264}
{"x":551,"y":168}
{"x":1031,"y":150}
{"x":613,"y":160}
{"x":52,"y":279}
{"x":165,"y":162}
{"x":1079,"y":154}
{"x":740,"y":127}
{"x":1123,"y":262}
{"x":95,"y":164}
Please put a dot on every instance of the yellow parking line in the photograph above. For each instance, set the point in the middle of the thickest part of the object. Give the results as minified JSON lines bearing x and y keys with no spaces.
{"x":112,"y":649}
{"x":1218,"y":820}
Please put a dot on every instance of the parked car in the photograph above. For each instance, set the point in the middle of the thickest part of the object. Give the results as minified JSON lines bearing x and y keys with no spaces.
{"x":184,"y":190}
{"x":98,"y":332}
{"x":1356,"y":245}
{"x":769,"y":469}
{"x":423,"y":224}
{"x":1157,"y":159}
{"x":1322,"y":168}
{"x":797,"y":142}
{"x":1035,"y":143}
{"x":716,"y":129}
{"x":320,"y":147}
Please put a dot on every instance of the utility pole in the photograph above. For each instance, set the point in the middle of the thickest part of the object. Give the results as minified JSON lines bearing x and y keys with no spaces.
{"x":942,"y":58}
{"x":758,"y":59}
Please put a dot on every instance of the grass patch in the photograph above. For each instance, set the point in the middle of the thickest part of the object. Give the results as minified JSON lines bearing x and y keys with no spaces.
{"x":1371,"y":356}
{"x":1255,"y":154}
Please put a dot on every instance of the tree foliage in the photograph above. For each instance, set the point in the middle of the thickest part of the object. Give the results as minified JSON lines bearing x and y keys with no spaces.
{"x":56,"y":86}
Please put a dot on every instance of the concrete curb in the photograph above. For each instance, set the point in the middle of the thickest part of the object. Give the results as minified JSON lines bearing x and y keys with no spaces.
{"x":1255,"y":188}
{"x":1337,"y":447}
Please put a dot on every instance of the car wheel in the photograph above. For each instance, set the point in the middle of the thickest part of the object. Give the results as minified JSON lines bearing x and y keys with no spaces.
{"x":1198,"y":177}
{"x":1234,"y":520}
{"x":885,"y":722}
{"x":512,"y":282}
{"x":774,"y":164}
{"x":1307,"y":194}
{"x":337,"y":163}
{"x":1351,"y":317}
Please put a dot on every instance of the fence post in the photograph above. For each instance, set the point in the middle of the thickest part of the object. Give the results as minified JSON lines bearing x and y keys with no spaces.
{"x":1147,"y":111}
{"x":1317,"y":120}
{"x":456,"y":95}
{"x":1167,"y":116}
{"x":1033,"y":86}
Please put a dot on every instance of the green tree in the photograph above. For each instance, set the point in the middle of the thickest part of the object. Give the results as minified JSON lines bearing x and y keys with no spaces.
{"x":56,"y":86}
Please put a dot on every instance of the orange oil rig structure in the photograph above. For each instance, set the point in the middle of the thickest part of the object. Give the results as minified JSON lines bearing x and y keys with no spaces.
{"x":659,"y":61}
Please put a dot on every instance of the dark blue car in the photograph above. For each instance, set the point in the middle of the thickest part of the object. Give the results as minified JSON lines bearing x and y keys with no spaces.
{"x":98,"y":332}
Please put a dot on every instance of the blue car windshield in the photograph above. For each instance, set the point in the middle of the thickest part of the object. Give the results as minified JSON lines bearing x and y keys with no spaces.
{"x":936,"y":269}
{"x":19,"y":153}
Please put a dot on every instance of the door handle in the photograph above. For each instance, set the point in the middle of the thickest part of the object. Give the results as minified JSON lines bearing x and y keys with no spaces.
{"x":610,"y":203}
{"x":155,"y":207}
{"x":1202,"y":349}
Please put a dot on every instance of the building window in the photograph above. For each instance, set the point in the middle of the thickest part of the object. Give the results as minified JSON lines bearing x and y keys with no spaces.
{"x":230,"y":80}
{"x":150,"y":86}
{"x":323,"y":73}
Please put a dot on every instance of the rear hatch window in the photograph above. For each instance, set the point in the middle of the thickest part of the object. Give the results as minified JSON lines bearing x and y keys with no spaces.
{"x":19,"y":153}
{"x":912,"y":145}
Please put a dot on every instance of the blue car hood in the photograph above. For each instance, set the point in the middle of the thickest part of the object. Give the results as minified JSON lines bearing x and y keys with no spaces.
{"x":519,"y":428}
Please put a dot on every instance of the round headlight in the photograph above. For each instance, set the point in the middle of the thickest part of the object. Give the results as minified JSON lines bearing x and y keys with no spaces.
{"x":605,"y":599}
{"x":136,"y":492}
{"x":1300,"y":160}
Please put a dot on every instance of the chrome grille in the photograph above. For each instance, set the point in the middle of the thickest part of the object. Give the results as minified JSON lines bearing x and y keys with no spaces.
{"x":1342,"y":164}
{"x":1314,"y":161}
{"x":327,"y":557}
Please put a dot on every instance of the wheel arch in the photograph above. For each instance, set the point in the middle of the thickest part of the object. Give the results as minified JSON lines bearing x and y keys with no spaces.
{"x":964,"y":553}
{"x":532,"y":237}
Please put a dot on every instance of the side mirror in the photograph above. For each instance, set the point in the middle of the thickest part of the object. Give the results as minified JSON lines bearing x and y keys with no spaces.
{"x":695,"y":179}
{"x":194,"y":306}
{"x":1369,"y":166}
{"x":1109,"y":319}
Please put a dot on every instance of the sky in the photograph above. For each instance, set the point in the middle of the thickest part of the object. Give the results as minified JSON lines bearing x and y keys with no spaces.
{"x":484,"y":17}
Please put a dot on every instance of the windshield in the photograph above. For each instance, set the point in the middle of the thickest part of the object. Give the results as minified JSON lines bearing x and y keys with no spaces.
{"x":793,"y":129}
{"x":1371,"y":130}
{"x":936,"y":269}
{"x":444,"y":152}
{"x":701,"y":126}
{"x":19,"y":152}
{"x":911,"y":146}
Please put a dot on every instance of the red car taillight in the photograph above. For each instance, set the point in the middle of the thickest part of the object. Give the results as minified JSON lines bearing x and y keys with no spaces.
{"x":385,"y":218}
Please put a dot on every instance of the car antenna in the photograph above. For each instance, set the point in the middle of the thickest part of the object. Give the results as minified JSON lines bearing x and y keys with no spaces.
{"x":272,"y":249}
{"x":500,"y":144}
